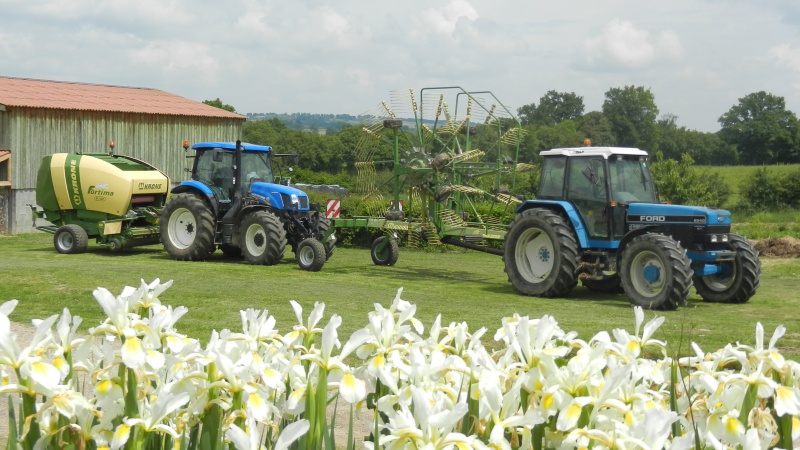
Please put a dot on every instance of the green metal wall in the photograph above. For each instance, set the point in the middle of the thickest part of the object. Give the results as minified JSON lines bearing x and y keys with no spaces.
{"x":31,"y":133}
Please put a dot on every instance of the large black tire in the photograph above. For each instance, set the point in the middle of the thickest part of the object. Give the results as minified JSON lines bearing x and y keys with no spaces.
{"x":388,"y":255}
{"x":655,"y":272}
{"x":738,"y":280}
{"x":610,"y":285}
{"x":311,"y":255}
{"x":330,"y":246}
{"x":187,"y":228}
{"x":70,"y":239}
{"x":540,"y":253}
{"x":262,"y":238}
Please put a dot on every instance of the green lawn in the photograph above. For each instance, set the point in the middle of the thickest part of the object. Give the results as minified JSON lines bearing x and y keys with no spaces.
{"x":462,"y":286}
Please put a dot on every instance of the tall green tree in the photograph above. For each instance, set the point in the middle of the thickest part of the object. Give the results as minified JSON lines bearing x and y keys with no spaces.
{"x":632,"y":113}
{"x":762,"y":129}
{"x":554,"y":108}
{"x":217,"y":103}
{"x":595,"y":127}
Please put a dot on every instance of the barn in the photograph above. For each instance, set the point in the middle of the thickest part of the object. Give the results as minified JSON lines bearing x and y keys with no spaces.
{"x":39,"y":117}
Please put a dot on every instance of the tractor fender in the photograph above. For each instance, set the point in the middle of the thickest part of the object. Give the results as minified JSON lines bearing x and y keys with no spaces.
{"x":632,"y":234}
{"x":563,"y":208}
{"x":199,"y":189}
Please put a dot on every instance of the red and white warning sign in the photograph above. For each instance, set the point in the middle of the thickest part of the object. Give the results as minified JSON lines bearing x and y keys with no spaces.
{"x":399,"y":205}
{"x":332,"y":209}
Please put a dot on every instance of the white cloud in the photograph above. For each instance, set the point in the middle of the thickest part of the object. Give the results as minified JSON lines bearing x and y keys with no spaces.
{"x":786,"y":55}
{"x":177,"y":56}
{"x":443,"y":21}
{"x":621,"y":45}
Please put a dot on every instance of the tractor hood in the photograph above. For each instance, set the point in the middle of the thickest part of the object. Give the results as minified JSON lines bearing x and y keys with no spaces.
{"x":654,"y":213}
{"x":280,"y":196}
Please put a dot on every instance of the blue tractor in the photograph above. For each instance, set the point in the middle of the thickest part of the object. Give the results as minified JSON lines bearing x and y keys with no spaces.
{"x":597,"y":219}
{"x":233,"y":202}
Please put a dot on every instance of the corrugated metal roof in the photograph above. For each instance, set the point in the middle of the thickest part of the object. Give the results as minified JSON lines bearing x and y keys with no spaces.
{"x":30,"y":93}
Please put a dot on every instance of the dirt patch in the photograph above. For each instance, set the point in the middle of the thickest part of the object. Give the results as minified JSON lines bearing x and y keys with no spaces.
{"x":782,"y":247}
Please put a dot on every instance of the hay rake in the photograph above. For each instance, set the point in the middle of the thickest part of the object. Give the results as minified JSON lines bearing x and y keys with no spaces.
{"x":450,"y":151}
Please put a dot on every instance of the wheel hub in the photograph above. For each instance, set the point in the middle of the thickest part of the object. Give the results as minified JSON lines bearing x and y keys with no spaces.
{"x":651,"y":273}
{"x":544,"y":253}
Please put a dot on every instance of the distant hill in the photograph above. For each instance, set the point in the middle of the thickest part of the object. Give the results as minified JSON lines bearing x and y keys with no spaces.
{"x":308,"y":121}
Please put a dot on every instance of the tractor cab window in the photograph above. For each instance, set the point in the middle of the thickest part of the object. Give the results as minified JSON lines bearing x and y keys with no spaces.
{"x":256,"y":166}
{"x":552,"y":180}
{"x":215,"y":169}
{"x":586,"y":189}
{"x":630,"y":179}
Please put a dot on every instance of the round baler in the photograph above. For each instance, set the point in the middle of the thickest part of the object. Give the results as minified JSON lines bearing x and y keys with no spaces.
{"x":113,"y":198}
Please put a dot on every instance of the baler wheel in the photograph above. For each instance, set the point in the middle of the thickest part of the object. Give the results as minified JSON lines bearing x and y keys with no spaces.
{"x":541,"y":254}
{"x":187,"y":228}
{"x":738,"y":280}
{"x":311,"y":255}
{"x":385,"y":253}
{"x":70,"y":239}
{"x":655,"y":272}
{"x":262,"y":238}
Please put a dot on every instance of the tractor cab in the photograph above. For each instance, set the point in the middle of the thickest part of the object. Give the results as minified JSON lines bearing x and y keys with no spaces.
{"x":215,"y":164}
{"x":599,"y":182}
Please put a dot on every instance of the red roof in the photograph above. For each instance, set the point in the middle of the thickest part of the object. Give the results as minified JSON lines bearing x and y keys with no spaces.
{"x":29,"y":93}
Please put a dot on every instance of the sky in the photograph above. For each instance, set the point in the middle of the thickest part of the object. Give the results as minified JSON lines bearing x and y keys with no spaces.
{"x":697,"y":57}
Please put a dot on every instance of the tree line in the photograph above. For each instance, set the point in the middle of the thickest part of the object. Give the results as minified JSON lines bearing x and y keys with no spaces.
{"x":757,"y":130}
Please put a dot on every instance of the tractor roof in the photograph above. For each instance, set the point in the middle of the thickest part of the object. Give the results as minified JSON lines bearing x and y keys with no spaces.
{"x":605,"y":152}
{"x":232,"y":146}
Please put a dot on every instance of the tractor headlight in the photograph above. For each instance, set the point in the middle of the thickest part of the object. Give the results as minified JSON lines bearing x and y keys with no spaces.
{"x":295,"y":201}
{"x":723,"y":238}
{"x":332,"y":238}
{"x":714,"y":238}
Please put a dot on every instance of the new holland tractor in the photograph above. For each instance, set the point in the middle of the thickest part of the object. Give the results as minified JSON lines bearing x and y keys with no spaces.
{"x":233,"y":202}
{"x":597,"y":219}
{"x":113,"y":198}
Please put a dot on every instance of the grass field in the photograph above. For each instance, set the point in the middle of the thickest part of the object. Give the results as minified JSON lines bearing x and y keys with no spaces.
{"x":462,"y":286}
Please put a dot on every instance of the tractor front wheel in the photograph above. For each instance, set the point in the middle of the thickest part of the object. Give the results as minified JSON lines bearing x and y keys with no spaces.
{"x":187,"y":228}
{"x":385,"y":251}
{"x":311,"y":255}
{"x":262,"y":238}
{"x":71,"y":239}
{"x":738,"y":279}
{"x":541,"y":254}
{"x":655,"y":272}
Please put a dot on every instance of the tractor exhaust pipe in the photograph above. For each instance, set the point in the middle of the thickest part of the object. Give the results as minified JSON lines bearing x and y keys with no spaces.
{"x":228,"y":221}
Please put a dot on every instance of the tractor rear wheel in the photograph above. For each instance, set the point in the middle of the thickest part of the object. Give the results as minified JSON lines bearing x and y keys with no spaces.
{"x":610,"y":285}
{"x":738,"y":280}
{"x":384,"y":251}
{"x":70,"y":239}
{"x":655,"y":272}
{"x":330,"y":246}
{"x":262,"y":238}
{"x":541,"y":254}
{"x":311,"y":255}
{"x":187,"y":228}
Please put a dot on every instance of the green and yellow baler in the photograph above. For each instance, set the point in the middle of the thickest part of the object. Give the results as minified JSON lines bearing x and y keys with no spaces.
{"x":113,"y":198}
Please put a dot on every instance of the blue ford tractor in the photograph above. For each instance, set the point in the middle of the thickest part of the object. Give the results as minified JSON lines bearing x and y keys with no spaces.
{"x":597,"y":219}
{"x":233,"y":202}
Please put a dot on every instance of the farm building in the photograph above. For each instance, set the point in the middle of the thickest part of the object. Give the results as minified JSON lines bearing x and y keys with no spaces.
{"x":39,"y":117}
